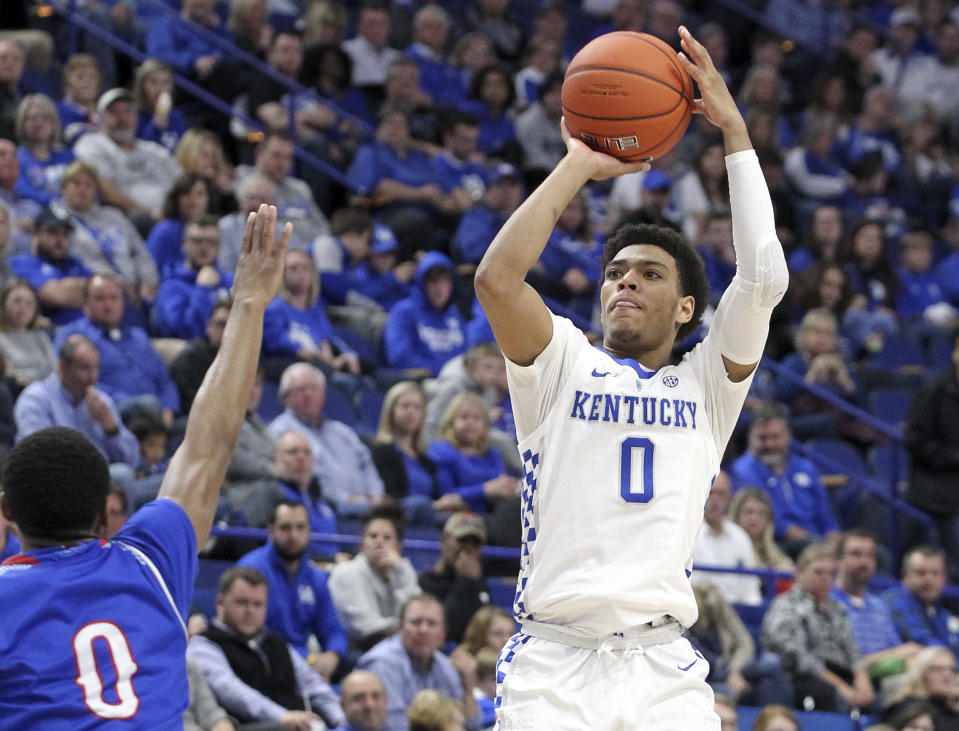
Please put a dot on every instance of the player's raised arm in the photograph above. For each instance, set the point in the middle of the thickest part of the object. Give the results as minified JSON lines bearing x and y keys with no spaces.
{"x":517,"y":314}
{"x":741,"y":322}
{"x":197,"y":469}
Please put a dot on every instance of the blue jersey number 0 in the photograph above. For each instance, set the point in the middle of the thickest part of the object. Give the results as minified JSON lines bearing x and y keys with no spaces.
{"x":636,"y":483}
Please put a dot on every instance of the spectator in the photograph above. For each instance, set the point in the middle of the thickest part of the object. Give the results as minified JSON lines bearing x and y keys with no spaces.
{"x":542,"y":57}
{"x":917,"y":604}
{"x":492,"y":18}
{"x":103,"y":238}
{"x":871,"y":314}
{"x":411,"y":661}
{"x":456,"y":579}
{"x":23,"y":210}
{"x":776,"y":718}
{"x":916,"y":715}
{"x":370,"y":590}
{"x":299,"y":604}
{"x":702,"y":190}
{"x":431,"y":32}
{"x":921,"y":301}
{"x":203,"y":713}
{"x":734,"y":668}
{"x":728,"y":712}
{"x":42,"y":156}
{"x":503,"y":194}
{"x":191,"y":364}
{"x":431,"y":710}
{"x":27,"y":346}
{"x":58,"y":277}
{"x":801,"y":507}
{"x":292,"y":466}
{"x":152,"y":436}
{"x":399,"y":453}
{"x":12,"y":59}
{"x":485,"y":689}
{"x":369,"y":49}
{"x":873,"y":130}
{"x":723,"y":543}
{"x":255,"y":674}
{"x":460,"y":166}
{"x":157,"y":120}
{"x":363,"y":698}
{"x":812,"y":635}
{"x":490,"y":99}
{"x":273,"y":158}
{"x":425,"y":330}
{"x":465,"y":464}
{"x":296,"y":326}
{"x":538,"y":129}
{"x":117,"y":512}
{"x":933,"y":446}
{"x":350,"y":479}
{"x":81,"y":87}
{"x":328,"y":69}
{"x":70,"y":398}
{"x":490,"y":627}
{"x":187,"y":296}
{"x":825,"y":239}
{"x":810,"y":168}
{"x":134,"y":174}
{"x":472,"y":52}
{"x":901,"y":65}
{"x":876,"y":635}
{"x":249,"y":26}
{"x":131,"y":371}
{"x":9,"y":543}
{"x":251,"y":192}
{"x":199,"y":151}
{"x":930,"y":679}
{"x":824,"y":285}
{"x":8,"y":426}
{"x":189,"y":196}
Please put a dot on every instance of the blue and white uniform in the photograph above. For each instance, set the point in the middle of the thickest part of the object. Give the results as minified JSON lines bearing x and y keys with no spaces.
{"x":93,"y":636}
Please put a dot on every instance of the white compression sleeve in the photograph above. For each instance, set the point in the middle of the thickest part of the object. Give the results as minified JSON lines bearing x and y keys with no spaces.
{"x":741,"y":322}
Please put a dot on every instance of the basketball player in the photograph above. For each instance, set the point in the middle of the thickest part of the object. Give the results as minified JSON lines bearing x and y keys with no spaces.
{"x":92,"y":631}
{"x":620,"y":446}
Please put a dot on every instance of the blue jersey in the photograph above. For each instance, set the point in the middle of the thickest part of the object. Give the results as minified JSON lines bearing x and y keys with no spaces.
{"x":93,"y":636}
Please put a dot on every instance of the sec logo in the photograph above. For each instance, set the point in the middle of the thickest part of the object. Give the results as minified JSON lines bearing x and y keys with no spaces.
{"x":671,"y":381}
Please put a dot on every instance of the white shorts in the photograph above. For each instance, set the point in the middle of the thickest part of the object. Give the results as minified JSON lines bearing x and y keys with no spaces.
{"x":554,"y":686}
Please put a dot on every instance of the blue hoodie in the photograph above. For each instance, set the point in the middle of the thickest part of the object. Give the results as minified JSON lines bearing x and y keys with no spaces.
{"x":418,"y":335}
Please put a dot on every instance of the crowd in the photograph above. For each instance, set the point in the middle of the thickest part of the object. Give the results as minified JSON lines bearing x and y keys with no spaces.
{"x":122,"y":203}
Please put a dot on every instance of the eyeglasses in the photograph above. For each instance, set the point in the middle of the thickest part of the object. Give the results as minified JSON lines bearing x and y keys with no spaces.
{"x":951,"y":669}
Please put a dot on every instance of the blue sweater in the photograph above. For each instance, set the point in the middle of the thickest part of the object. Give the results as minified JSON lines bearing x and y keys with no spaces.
{"x":183,"y":307}
{"x":175,"y":42}
{"x":286,"y":328}
{"x":465,"y":474}
{"x":165,"y":244}
{"x":40,"y":180}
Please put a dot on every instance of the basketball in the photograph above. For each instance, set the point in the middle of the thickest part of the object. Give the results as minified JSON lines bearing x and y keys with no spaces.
{"x":628,"y":95}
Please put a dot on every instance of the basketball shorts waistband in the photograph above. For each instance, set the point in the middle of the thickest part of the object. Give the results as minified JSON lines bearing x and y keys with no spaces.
{"x":657,"y":632}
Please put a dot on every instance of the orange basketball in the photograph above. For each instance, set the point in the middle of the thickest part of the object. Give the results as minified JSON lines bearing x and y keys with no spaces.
{"x":628,"y":95}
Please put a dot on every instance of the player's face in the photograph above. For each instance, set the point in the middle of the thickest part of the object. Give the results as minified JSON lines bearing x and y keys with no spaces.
{"x":469,"y":425}
{"x":817,"y":577}
{"x":769,"y":442}
{"x":364,"y":700}
{"x":423,"y":629}
{"x":925,"y":576}
{"x":104,"y":304}
{"x":290,"y":531}
{"x":243,"y":608}
{"x":499,"y":632}
{"x":82,"y":373}
{"x":858,"y":560}
{"x":408,"y":413}
{"x":640,"y":301}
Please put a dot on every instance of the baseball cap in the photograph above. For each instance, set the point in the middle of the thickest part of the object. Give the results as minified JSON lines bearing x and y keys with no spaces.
{"x":384,"y":241}
{"x":657,"y":180}
{"x":904,"y":16}
{"x":52,"y":217}
{"x":108,"y":97}
{"x":465,"y":525}
{"x":502,"y":171}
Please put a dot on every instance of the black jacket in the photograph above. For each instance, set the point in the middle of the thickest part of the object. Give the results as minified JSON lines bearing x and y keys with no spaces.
{"x":932,"y":440}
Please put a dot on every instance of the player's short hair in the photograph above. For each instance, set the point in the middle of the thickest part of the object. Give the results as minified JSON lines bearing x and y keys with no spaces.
{"x":250,"y":575}
{"x":55,"y":484}
{"x":689,"y":264}
{"x":385,"y":511}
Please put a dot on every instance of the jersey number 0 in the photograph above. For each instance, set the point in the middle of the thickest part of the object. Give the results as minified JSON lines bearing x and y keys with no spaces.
{"x":636,"y":470}
{"x":91,"y":681}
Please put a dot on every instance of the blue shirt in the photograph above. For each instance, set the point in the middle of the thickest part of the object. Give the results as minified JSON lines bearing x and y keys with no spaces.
{"x":375,"y":162}
{"x":798,"y":495}
{"x":871,"y":621}
{"x":287,"y":329}
{"x":39,"y":271}
{"x":322,"y":517}
{"x":177,"y":43}
{"x":919,"y":291}
{"x":165,"y":244}
{"x":183,"y":306}
{"x":40,"y":179}
{"x":494,"y":131}
{"x":925,"y":624}
{"x":168,"y":136}
{"x":47,"y":403}
{"x":476,"y":230}
{"x":298,"y":606}
{"x":96,"y":632}
{"x":390,"y":662}
{"x":129,"y":366}
{"x":465,"y":474}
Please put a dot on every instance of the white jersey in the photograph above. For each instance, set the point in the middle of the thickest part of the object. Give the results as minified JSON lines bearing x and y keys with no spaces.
{"x":618,"y":462}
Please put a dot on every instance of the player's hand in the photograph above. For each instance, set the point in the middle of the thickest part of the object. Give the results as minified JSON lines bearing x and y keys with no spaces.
{"x":717,"y":103}
{"x":597,"y":165}
{"x":260,"y":268}
{"x":298,"y":720}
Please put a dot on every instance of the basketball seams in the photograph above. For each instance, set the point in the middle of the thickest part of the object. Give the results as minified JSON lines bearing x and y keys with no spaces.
{"x":648,"y":77}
